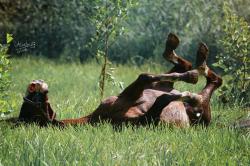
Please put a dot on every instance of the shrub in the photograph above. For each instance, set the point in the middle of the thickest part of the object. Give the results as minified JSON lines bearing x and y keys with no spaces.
{"x":4,"y":75}
{"x":235,"y":60}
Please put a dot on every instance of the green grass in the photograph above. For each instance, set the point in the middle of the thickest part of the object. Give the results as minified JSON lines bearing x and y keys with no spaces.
{"x":74,"y":92}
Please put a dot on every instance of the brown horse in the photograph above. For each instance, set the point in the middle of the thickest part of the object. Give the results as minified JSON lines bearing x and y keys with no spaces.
{"x":152,"y":98}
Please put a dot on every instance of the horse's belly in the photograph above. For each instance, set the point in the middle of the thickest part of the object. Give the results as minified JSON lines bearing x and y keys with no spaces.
{"x":175,"y":113}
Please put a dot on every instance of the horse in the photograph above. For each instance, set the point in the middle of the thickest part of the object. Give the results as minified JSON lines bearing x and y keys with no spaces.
{"x":150,"y":99}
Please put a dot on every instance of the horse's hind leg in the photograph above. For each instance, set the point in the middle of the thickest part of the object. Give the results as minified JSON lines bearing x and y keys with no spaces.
{"x":213,"y":82}
{"x":135,"y":89}
{"x":180,"y":64}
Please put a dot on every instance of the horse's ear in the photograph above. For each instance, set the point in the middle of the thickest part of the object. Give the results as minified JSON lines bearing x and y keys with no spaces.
{"x":31,"y":87}
{"x":37,"y":86}
{"x":44,"y":88}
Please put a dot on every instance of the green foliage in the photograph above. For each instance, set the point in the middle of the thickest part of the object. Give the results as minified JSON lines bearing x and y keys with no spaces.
{"x":4,"y":75}
{"x":107,"y":20}
{"x":151,"y":21}
{"x":107,"y":74}
{"x":63,"y":28}
{"x":235,"y":59}
{"x":73,"y":93}
{"x":58,"y":28}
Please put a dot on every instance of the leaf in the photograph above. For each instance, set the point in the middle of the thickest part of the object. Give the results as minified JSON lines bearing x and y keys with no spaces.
{"x":121,"y":85}
{"x":9,"y":38}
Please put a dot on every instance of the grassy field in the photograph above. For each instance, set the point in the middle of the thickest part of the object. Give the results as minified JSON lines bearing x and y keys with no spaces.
{"x":74,"y":92}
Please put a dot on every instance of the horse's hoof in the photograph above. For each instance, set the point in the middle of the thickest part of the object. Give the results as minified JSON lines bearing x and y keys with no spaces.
{"x":191,"y":77}
{"x":172,"y":41}
{"x":202,"y":55}
{"x":171,"y":44}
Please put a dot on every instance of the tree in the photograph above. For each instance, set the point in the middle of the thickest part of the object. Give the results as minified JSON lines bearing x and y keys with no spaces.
{"x":109,"y":14}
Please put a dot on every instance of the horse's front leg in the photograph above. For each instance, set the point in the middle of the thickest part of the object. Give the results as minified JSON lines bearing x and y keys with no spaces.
{"x":180,"y":64}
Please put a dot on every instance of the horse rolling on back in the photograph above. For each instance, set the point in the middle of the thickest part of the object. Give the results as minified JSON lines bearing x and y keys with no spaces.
{"x":151,"y":98}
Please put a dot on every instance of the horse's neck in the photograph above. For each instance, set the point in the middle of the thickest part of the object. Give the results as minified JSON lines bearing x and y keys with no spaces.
{"x":76,"y":121}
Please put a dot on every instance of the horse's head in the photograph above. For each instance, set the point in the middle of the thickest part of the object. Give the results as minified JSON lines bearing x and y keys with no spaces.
{"x":36,"y":107}
{"x":37,"y":92}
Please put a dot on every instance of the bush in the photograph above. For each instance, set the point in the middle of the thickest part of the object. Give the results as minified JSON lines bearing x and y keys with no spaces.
{"x":235,"y":59}
{"x":55,"y":27}
{"x":4,"y":75}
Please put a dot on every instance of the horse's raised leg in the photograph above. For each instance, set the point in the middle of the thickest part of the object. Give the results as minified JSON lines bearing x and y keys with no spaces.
{"x":135,"y":89}
{"x":213,"y":82}
{"x":180,"y":64}
{"x":196,"y":107}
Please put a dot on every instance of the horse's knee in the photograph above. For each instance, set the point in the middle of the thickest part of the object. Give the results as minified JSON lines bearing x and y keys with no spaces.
{"x":212,"y":77}
{"x":147,"y":78}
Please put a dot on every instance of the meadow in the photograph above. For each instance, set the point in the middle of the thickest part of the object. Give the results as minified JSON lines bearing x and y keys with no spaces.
{"x":73,"y":92}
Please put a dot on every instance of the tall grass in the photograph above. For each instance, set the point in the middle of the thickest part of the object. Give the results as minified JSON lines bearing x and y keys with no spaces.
{"x":74,"y":92}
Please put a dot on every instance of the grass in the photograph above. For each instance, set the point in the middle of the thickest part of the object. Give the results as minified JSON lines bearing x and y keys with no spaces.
{"x":74,"y":92}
